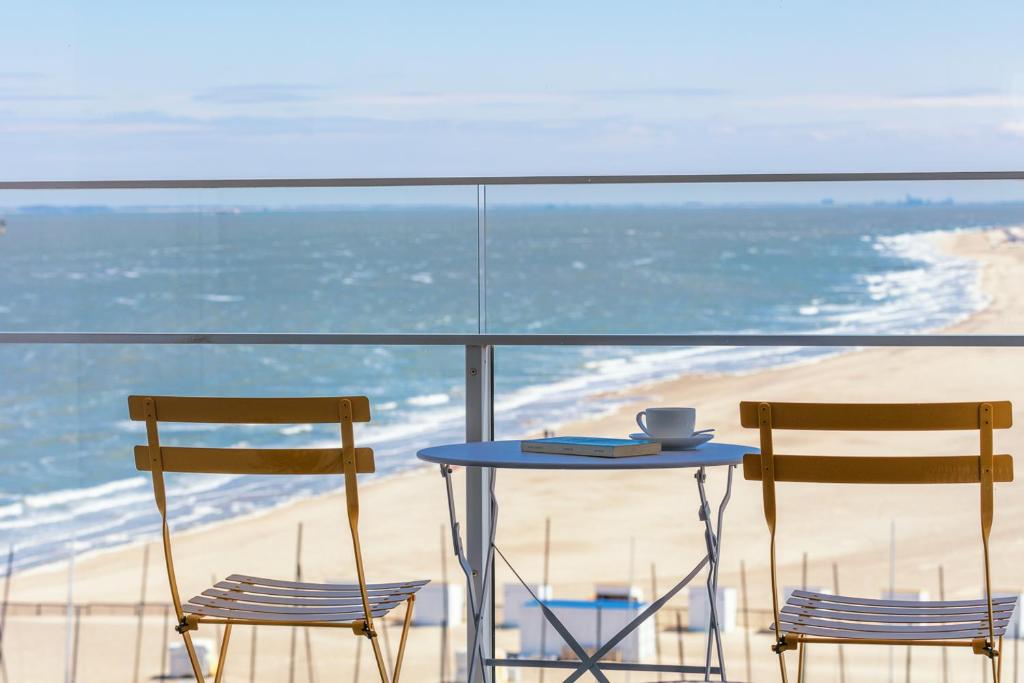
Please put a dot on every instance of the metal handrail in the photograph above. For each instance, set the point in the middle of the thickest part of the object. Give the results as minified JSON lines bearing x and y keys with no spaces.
{"x":660,"y":179}
{"x":445,"y":339}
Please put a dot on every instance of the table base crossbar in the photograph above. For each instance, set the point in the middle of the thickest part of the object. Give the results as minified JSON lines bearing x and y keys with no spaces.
{"x":610,"y":666}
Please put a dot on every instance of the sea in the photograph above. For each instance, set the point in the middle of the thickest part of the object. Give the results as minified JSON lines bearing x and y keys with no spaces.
{"x":67,"y":478}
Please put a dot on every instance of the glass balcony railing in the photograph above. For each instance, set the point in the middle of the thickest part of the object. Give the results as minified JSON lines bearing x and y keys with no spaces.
{"x":582,"y":292}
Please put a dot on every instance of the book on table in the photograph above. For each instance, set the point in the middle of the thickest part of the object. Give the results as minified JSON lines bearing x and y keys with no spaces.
{"x":594,"y":446}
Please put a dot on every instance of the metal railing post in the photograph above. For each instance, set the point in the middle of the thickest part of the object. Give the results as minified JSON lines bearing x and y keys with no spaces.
{"x":480,"y":427}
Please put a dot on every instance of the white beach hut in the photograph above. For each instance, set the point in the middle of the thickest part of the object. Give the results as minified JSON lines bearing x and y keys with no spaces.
{"x":700,"y":608}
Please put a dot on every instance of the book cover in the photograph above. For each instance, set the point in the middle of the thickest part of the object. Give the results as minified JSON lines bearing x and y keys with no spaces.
{"x":594,"y":446}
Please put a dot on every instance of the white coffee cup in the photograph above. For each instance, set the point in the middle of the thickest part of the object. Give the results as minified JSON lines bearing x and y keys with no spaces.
{"x":667,"y":423}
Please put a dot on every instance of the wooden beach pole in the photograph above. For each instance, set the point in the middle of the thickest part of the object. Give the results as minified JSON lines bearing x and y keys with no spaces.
{"x":444,"y":614}
{"x":546,"y":576}
{"x":167,"y":636}
{"x":657,"y":631}
{"x":359,"y":656}
{"x":69,"y":631}
{"x":8,"y":575}
{"x":142,"y":614}
{"x":942,"y":598}
{"x":252,"y":657}
{"x":295,"y":630}
{"x":746,"y":619}
{"x":802,"y":657}
{"x":835,"y":591}
{"x":679,"y":635}
{"x":74,"y":647}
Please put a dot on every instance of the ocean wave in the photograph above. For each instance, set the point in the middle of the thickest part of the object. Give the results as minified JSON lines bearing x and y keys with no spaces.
{"x":66,"y":496}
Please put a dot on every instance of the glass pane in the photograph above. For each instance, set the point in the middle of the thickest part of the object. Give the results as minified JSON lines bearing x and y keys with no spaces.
{"x":366,"y":260}
{"x":67,"y":468}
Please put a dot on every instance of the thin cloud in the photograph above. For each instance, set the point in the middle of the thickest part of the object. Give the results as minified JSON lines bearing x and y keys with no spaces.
{"x":260,"y":93}
{"x":20,"y":95}
{"x":656,"y":92}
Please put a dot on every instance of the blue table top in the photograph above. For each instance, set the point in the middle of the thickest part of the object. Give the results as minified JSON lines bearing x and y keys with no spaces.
{"x":507,"y":454}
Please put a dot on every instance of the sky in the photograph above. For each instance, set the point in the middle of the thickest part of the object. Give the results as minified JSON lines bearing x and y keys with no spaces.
{"x":130,"y":90}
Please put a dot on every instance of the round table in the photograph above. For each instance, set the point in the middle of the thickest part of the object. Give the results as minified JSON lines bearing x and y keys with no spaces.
{"x":508,"y":454}
{"x":491,"y":456}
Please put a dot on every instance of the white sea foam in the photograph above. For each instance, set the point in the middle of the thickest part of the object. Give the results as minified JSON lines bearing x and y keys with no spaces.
{"x":221,"y":298}
{"x":66,"y":496}
{"x":292,"y":430}
{"x":428,"y":400}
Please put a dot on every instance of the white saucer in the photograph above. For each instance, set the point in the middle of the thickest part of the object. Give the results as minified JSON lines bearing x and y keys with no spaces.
{"x":684,"y":443}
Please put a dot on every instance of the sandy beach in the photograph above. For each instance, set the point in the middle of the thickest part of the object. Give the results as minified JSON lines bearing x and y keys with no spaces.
{"x":597,"y":520}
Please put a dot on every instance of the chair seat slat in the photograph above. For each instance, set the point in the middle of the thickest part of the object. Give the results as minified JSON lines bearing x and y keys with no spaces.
{"x":282,"y":600}
{"x":872,"y":628}
{"x":278,"y":583}
{"x":922,"y":604}
{"x":900,"y":634}
{"x":245,"y":615}
{"x":862,"y":613}
{"x":353,"y":610}
{"x":855,"y":617}
{"x":901,"y":617}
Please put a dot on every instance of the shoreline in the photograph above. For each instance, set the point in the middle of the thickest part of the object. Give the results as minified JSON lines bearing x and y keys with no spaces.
{"x":612,"y":399}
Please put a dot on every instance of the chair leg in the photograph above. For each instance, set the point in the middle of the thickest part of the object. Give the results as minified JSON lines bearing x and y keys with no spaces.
{"x":381,"y":667}
{"x":782,"y":667}
{"x":801,"y":658}
{"x":197,"y":668}
{"x":1000,"y":671}
{"x":405,"y":633}
{"x":997,"y":662}
{"x":222,"y":658}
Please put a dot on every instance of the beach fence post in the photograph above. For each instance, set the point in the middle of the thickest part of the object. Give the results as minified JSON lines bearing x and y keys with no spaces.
{"x":167,"y":636}
{"x":295,"y":630}
{"x":892,"y":587}
{"x":802,"y":657}
{"x":74,"y":647}
{"x":389,"y":659}
{"x":141,"y":608}
{"x":8,"y":575}
{"x":252,"y":657}
{"x":835,"y":591}
{"x":444,"y":613}
{"x":546,"y":574}
{"x":679,"y":636}
{"x":1016,"y":653}
{"x":746,"y":619}
{"x":359,"y":657}
{"x":657,"y":631}
{"x":70,"y":618}
{"x":942,"y":598}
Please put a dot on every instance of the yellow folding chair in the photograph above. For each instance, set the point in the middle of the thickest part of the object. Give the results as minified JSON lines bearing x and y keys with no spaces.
{"x":248,"y":600}
{"x":809,"y":617}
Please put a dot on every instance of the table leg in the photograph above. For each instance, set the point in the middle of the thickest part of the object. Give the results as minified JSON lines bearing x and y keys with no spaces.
{"x":713,"y":540}
{"x":477,"y":601}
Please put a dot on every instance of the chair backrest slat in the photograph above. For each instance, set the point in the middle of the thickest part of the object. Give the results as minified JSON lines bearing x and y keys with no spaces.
{"x":253,"y":460}
{"x":827,"y":469}
{"x":312,"y":410}
{"x":877,"y":416}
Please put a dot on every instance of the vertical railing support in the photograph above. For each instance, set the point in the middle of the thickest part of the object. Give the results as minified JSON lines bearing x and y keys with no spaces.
{"x":480,"y":427}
